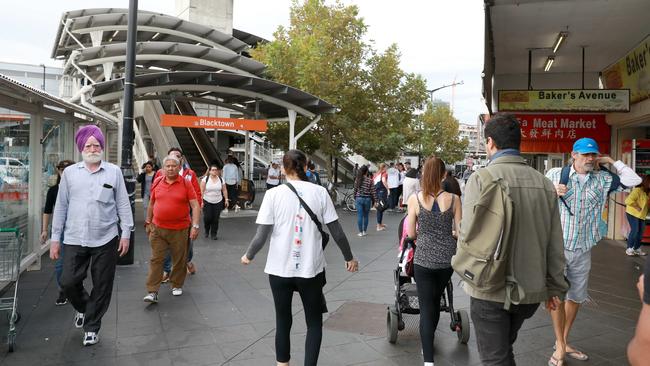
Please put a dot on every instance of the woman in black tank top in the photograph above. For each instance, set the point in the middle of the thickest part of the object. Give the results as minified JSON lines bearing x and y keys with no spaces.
{"x":437,"y":214}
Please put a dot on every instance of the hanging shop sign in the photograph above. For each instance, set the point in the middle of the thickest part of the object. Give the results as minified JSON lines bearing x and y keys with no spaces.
{"x":174,"y":120}
{"x":565,"y":100}
{"x":556,"y":133}
{"x":632,"y":72}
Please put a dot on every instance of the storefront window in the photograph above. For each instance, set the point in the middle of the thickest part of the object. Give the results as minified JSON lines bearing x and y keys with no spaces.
{"x":14,"y":172}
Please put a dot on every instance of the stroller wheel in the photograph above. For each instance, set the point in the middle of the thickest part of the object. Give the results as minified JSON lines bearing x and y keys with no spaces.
{"x":391,"y":324}
{"x":462,"y":328}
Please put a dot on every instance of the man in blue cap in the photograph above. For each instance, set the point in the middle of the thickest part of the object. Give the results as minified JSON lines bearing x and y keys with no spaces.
{"x":583,"y":196}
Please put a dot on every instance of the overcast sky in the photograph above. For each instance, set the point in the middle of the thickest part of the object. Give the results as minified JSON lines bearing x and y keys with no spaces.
{"x":441,"y":40}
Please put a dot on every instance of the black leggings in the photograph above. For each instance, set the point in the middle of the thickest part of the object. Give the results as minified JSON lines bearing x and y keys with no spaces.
{"x":211,"y":214}
{"x":310,"y":290}
{"x":431,"y":284}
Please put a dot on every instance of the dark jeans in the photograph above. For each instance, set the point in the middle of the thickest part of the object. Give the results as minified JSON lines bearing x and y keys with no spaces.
{"x":363,"y":211}
{"x":310,"y":290}
{"x":381,"y":194}
{"x":232,"y":195}
{"x":637,"y":226}
{"x":496,"y":329}
{"x":76,"y":261}
{"x":431,"y":285}
{"x":211,"y":214}
{"x":394,"y":198}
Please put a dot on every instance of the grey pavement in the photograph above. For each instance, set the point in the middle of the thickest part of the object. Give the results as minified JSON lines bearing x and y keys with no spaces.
{"x":226,"y":317}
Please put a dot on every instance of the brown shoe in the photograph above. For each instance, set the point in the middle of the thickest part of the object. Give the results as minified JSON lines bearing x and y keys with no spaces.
{"x":165,"y":278}
{"x":190,"y":268}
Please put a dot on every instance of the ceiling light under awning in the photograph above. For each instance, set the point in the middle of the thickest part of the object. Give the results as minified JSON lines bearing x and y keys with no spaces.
{"x":560,"y":39}
{"x":549,"y":62}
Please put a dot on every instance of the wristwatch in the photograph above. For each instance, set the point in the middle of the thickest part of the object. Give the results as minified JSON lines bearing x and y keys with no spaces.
{"x":195,"y":226}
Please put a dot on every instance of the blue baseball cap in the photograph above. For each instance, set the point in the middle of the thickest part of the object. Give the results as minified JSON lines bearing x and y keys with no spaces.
{"x":586,"y":145}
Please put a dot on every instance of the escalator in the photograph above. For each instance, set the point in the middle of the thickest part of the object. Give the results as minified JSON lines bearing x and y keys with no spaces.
{"x":198,"y":149}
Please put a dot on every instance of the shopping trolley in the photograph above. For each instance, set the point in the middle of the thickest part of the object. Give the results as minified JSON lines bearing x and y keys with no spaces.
{"x":10,"y":250}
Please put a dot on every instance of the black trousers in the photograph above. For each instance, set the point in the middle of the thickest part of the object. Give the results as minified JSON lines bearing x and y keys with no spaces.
{"x":102,"y":261}
{"x":211,"y":214}
{"x":496,"y":329}
{"x":431,"y":284}
{"x":310,"y":290}
{"x":232,"y":195}
{"x":393,"y":198}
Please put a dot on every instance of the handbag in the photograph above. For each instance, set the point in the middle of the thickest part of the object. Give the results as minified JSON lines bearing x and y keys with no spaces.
{"x":324,"y":235}
{"x":382,"y":205}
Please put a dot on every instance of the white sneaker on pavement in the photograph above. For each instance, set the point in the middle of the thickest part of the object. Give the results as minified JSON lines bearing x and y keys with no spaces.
{"x":90,"y":338}
{"x":630,"y":252}
{"x":177,"y":291}
{"x":640,"y":252}
{"x":79,"y":320}
{"x":151,"y":297}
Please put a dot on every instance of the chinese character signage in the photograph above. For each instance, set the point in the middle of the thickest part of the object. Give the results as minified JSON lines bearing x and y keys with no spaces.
{"x":631,"y":72}
{"x":564,"y":100}
{"x":556,"y":133}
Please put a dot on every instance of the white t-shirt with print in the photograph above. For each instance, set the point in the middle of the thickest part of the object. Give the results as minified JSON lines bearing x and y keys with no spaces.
{"x":292,"y":225}
{"x":273,"y":172}
{"x":393,"y":177}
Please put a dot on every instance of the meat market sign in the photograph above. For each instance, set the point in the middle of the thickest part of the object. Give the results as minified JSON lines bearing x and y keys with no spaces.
{"x":556,"y":133}
{"x":565,"y":100}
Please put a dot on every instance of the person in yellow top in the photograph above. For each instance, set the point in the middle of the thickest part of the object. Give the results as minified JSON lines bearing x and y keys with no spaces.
{"x":636,"y":211}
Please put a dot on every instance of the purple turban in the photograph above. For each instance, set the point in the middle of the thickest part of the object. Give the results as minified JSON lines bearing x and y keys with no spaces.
{"x":85,"y":133}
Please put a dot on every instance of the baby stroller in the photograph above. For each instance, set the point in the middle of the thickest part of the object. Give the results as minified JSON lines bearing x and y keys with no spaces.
{"x":246,"y":194}
{"x":406,"y":295}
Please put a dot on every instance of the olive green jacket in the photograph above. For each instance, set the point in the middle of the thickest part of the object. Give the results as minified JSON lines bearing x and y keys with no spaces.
{"x":537,"y":246}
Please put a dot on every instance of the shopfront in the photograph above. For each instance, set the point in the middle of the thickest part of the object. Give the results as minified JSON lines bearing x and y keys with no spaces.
{"x":36,"y":132}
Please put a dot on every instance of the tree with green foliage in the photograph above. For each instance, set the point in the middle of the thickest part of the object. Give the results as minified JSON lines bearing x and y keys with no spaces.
{"x":323,"y":52}
{"x":438,"y":134}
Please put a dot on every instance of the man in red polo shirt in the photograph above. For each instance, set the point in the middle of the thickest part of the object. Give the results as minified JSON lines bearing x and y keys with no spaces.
{"x":168,"y":223}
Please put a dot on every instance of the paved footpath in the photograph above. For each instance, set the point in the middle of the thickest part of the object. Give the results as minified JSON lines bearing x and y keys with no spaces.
{"x":225,"y":316}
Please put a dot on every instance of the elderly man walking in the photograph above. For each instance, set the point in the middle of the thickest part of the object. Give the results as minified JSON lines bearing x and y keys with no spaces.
{"x":582,"y":200}
{"x":92,"y":197}
{"x":168,"y":225}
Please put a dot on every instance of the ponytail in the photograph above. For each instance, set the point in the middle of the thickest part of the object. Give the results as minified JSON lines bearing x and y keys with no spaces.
{"x":294,"y":161}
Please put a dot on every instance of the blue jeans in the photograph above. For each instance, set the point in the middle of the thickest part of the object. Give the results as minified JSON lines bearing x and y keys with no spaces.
{"x":381,"y":194}
{"x":637,"y":226}
{"x":363,"y":211}
{"x":167,"y":264}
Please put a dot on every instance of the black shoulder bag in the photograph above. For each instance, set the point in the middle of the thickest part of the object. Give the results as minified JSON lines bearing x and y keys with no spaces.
{"x":324,"y":235}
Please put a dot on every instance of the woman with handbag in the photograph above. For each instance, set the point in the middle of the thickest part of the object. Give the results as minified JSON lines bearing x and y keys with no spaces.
{"x":380,"y":181}
{"x":364,"y":195}
{"x":291,"y":215}
{"x":636,"y":211}
{"x":436,"y":213}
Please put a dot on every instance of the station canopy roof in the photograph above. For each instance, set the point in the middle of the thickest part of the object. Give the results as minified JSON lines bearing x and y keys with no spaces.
{"x":240,"y":91}
{"x":171,"y":56}
{"x":151,"y":27}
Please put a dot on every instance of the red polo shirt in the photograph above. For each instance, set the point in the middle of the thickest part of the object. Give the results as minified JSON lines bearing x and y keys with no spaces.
{"x":171,"y":203}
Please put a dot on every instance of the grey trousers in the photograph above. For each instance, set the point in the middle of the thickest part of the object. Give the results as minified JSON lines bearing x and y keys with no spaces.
{"x":496,"y":329}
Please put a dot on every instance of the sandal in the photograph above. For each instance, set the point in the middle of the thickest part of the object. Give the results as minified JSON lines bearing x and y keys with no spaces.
{"x":555,"y":362}
{"x":577,"y":355}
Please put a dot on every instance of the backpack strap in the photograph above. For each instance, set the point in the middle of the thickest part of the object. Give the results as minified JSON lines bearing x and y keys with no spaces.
{"x":616,"y":180}
{"x":564,"y":179}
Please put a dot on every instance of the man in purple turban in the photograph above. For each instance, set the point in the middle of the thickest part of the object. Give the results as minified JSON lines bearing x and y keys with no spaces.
{"x":91,"y":203}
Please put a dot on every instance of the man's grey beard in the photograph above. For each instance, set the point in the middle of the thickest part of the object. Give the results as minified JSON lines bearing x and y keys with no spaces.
{"x":91,"y":158}
{"x":589,"y":167}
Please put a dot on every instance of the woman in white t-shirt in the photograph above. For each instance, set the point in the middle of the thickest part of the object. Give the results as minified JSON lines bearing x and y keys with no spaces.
{"x":215,"y":197}
{"x":295,"y":260}
{"x":273,"y":176}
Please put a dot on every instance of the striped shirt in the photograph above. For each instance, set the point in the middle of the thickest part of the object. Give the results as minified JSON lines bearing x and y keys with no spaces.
{"x":366,"y":189}
{"x":587,"y":200}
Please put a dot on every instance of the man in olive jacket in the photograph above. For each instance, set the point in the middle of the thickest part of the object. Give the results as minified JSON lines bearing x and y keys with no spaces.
{"x":536,"y":246}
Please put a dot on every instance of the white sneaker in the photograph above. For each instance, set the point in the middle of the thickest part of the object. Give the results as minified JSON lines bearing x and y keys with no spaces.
{"x":365,"y":233}
{"x":151,"y":297}
{"x":630,"y":252}
{"x":177,"y":291}
{"x":90,"y":338}
{"x":640,"y":252}
{"x":360,"y":234}
{"x":79,"y":320}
